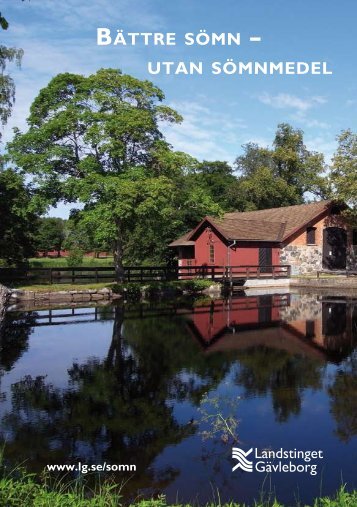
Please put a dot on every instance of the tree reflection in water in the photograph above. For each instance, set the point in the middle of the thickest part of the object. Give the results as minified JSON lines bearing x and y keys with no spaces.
{"x":343,"y":389}
{"x":14,"y":337}
{"x":285,"y":376}
{"x":118,"y":409}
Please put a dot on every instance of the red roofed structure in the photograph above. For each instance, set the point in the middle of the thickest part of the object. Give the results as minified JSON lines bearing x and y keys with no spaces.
{"x":309,"y":237}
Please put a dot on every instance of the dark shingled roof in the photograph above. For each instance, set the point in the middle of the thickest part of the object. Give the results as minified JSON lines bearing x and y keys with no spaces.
{"x":245,"y":229}
{"x":183,"y":241}
{"x":273,"y":225}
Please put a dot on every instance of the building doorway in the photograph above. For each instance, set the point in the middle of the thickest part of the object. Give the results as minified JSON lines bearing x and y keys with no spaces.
{"x":265,"y":260}
{"x":334,"y":248}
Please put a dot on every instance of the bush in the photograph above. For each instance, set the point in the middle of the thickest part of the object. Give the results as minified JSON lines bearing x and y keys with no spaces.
{"x":195,"y":285}
{"x":131,"y":291}
{"x":75,"y":258}
{"x":134,"y":290}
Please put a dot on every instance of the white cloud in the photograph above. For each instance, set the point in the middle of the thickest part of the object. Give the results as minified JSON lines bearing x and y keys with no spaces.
{"x":263,"y":142}
{"x":205,"y":133}
{"x":288,"y":101}
{"x":310,"y":122}
{"x":323,"y":144}
{"x":301,"y":107}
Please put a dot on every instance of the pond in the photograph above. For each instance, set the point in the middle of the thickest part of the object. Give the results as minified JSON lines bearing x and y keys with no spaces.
{"x":171,"y":387}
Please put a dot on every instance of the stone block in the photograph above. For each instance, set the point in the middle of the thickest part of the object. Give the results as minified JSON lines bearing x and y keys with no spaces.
{"x":97,"y":297}
{"x":81,"y":297}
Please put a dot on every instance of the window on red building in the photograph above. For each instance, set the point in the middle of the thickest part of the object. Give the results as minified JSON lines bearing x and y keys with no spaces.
{"x":211,"y":254}
{"x":311,"y":236}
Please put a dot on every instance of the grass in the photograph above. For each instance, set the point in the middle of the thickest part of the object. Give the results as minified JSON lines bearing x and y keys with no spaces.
{"x":61,"y":262}
{"x":130,"y":288}
{"x":56,"y":287}
{"x":18,"y":488}
{"x":25,"y":491}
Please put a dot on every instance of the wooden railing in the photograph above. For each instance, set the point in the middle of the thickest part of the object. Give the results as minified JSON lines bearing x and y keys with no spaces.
{"x":274,"y":271}
{"x":139,"y":274}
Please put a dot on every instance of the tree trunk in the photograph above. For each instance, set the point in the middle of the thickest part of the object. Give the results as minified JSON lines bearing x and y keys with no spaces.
{"x":4,"y":299}
{"x":115,"y":356}
{"x":118,"y":254}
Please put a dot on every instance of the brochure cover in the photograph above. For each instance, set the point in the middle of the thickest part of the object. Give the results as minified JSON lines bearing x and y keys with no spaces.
{"x":178,"y":253}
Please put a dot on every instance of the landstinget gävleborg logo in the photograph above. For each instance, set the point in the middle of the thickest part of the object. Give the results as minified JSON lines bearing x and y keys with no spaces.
{"x":241,"y":457}
{"x":276,"y":461}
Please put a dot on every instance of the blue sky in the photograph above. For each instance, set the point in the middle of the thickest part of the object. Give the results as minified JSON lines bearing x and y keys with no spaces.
{"x":220,"y":112}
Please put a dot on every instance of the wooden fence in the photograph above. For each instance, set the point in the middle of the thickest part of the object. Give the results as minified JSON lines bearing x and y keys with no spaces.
{"x":65,"y":316}
{"x":139,"y":274}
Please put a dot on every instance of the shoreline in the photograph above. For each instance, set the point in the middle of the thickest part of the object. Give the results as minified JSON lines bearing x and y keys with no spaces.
{"x":345,"y":282}
{"x":47,"y":297}
{"x":129,"y":291}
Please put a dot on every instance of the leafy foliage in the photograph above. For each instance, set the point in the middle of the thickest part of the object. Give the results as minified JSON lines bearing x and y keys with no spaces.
{"x":262,"y":190}
{"x":96,"y":140}
{"x":344,"y":171}
{"x":90,"y":140}
{"x":215,"y":178}
{"x":7,"y":85}
{"x":280,"y":176}
{"x":17,"y":230}
{"x":75,"y":258}
{"x":51,"y":234}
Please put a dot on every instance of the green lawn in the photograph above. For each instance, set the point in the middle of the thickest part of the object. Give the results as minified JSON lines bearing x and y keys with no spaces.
{"x":61,"y":262}
{"x":56,"y":287}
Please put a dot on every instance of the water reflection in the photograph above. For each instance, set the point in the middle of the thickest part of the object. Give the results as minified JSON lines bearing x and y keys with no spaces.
{"x":118,"y":408}
{"x":140,"y":397}
{"x":14,"y":338}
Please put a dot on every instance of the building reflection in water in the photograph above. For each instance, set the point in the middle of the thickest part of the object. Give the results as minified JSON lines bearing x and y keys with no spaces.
{"x":322,"y":329}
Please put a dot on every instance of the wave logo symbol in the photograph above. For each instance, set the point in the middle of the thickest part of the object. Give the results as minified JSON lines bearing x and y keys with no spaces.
{"x":241,"y":457}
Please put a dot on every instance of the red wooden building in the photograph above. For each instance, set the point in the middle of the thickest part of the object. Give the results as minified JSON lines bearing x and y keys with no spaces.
{"x":309,"y":237}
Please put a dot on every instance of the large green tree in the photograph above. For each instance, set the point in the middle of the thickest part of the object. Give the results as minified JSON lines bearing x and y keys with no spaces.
{"x":344,"y":171}
{"x":7,"y":84}
{"x":253,"y":158}
{"x":261,"y":190}
{"x":280,"y":176}
{"x":215,"y":178}
{"x":17,"y":225}
{"x":81,"y":236}
{"x":51,"y":234}
{"x":298,"y":166}
{"x":94,"y":140}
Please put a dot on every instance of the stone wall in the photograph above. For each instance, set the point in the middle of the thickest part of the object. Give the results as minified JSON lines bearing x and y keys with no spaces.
{"x":302,"y":307}
{"x":352,"y":257}
{"x":303,"y":259}
{"x":331,"y":282}
{"x":72,"y":296}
